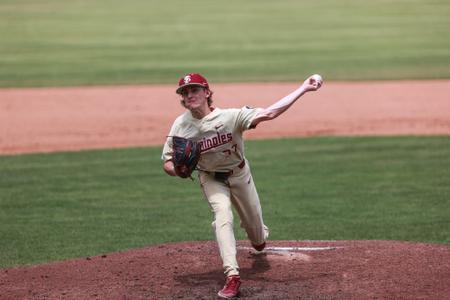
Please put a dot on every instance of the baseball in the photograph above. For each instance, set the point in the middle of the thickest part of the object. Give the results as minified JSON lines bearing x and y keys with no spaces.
{"x":318,"y":79}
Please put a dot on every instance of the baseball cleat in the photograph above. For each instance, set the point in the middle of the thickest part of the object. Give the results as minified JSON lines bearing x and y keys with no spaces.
{"x":259,"y":247}
{"x":231,"y":287}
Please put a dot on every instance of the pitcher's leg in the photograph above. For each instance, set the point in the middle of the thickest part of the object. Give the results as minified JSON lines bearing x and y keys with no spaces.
{"x":218,"y":196}
{"x":246,"y":200}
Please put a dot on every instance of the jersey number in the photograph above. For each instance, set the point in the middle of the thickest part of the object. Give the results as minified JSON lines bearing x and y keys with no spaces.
{"x":233,"y":148}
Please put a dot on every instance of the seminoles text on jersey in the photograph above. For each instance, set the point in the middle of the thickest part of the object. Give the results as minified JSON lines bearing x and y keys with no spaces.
{"x":218,"y":139}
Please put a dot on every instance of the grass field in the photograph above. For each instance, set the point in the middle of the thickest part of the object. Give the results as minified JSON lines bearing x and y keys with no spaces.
{"x":54,"y":42}
{"x":64,"y":205}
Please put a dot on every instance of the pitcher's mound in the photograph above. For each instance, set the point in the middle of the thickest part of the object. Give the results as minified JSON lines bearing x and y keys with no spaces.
{"x":285,"y":270}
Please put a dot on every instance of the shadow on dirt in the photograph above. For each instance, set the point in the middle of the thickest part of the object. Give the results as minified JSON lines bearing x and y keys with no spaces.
{"x":260,"y":264}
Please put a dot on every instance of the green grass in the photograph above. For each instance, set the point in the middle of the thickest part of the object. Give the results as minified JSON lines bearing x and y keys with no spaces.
{"x":55,"y":42}
{"x":64,"y":205}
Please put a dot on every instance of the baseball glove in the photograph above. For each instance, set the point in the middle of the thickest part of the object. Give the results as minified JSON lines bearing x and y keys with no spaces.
{"x":186,"y":154}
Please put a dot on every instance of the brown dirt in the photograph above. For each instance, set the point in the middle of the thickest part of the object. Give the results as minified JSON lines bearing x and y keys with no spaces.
{"x":55,"y":119}
{"x":352,"y":270}
{"x":44,"y":120}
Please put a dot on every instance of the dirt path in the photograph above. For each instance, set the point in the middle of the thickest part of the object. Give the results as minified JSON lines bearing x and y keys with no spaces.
{"x":286,"y":270}
{"x":56,"y":119}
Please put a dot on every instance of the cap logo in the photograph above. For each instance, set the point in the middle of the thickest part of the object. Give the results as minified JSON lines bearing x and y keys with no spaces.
{"x":187,"y":79}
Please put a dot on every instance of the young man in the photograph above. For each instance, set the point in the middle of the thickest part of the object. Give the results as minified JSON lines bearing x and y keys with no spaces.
{"x":224,"y":172}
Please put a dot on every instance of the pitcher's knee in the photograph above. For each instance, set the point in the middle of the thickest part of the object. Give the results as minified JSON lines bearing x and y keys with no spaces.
{"x":223,"y":215}
{"x":222,"y":207}
{"x":223,"y":223}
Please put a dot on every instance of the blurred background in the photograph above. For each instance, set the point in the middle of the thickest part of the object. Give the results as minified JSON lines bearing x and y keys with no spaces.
{"x":81,"y":42}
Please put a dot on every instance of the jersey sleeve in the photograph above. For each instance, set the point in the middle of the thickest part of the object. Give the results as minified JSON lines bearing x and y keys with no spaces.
{"x":167,"y":152}
{"x":245,"y":117}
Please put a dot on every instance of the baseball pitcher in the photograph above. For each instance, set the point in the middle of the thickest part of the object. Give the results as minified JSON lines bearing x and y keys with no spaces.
{"x":209,"y":139}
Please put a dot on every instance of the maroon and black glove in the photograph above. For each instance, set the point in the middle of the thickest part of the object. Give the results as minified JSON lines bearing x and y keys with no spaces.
{"x":186,"y":154}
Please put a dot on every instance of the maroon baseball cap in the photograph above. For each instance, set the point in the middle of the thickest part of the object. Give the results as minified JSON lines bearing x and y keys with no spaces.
{"x":192,"y":79}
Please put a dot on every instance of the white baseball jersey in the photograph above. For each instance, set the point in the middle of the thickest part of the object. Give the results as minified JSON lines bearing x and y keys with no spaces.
{"x":219,"y":134}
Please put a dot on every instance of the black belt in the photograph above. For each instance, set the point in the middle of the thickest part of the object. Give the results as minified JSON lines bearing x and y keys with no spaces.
{"x":222,"y":176}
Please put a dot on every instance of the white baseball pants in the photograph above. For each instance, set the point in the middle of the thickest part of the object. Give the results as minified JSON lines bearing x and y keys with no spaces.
{"x":240,"y":191}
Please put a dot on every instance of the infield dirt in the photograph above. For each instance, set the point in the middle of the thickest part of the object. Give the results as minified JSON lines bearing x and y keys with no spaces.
{"x":56,"y":119}
{"x":351,"y":270}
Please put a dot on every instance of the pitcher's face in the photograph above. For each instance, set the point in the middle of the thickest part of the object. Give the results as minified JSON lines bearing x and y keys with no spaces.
{"x":195,"y":96}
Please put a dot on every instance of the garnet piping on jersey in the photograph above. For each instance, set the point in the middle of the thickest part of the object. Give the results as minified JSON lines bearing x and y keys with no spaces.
{"x":213,"y":142}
